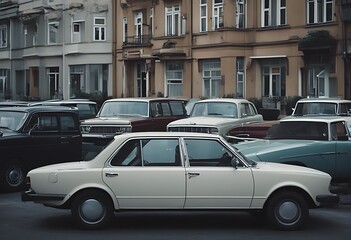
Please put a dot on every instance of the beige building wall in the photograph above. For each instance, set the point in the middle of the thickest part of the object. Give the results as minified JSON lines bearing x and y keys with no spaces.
{"x":261,"y":48}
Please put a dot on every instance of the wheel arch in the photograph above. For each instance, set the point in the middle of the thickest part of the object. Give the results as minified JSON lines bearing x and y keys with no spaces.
{"x":304,"y":194}
{"x":108,"y":193}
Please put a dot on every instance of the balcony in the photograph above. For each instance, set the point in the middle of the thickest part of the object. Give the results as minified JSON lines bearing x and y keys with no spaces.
{"x":142,"y":40}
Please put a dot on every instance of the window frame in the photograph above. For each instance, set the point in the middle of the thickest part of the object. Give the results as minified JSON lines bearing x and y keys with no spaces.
{"x":271,"y":14}
{"x":100,"y":29}
{"x":173,"y":20}
{"x":240,"y":15}
{"x":203,"y":18}
{"x":317,"y":11}
{"x":171,"y":77}
{"x":217,"y":14}
{"x":51,"y":24}
{"x":3,"y":36}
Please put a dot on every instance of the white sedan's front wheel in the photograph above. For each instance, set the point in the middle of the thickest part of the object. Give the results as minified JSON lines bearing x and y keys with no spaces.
{"x":92,"y":209}
{"x":287,"y":210}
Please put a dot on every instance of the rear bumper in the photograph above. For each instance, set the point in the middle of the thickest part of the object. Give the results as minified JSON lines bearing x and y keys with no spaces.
{"x":32,"y":196}
{"x":329,"y":199}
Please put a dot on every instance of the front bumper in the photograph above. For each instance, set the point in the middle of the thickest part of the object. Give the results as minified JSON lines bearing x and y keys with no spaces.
{"x":329,"y":199}
{"x":32,"y":196}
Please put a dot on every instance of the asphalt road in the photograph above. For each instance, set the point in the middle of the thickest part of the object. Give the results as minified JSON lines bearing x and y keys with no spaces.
{"x":30,"y":221}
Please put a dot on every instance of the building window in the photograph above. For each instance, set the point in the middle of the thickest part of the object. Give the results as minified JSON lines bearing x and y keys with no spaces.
{"x":53,"y":74}
{"x":125,"y":29}
{"x":174,"y":79}
{"x":240,"y":76}
{"x":138,"y":24}
{"x":78,"y":31}
{"x":273,"y":13}
{"x":211,"y":74}
{"x":152,"y":31}
{"x":273,"y":74}
{"x":53,"y":26}
{"x":203,"y":16}
{"x":99,"y":29}
{"x":217,"y":18}
{"x":319,"y":11}
{"x":3,"y":36}
{"x":172,"y":20}
{"x":240,"y":13}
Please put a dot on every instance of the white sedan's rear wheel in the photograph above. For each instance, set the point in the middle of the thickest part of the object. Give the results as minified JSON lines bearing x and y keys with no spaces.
{"x":287,"y":210}
{"x":92,"y":209}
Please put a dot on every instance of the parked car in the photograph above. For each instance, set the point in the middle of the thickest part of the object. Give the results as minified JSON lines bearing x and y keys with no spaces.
{"x":321,"y":143}
{"x":322,"y":106}
{"x":31,"y":137}
{"x":13,"y":103}
{"x":250,"y":132}
{"x":87,"y":109}
{"x":178,"y":171}
{"x":217,"y":116}
{"x":122,"y":115}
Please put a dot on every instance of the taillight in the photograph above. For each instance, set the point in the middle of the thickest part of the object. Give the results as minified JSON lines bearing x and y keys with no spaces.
{"x":27,"y":185}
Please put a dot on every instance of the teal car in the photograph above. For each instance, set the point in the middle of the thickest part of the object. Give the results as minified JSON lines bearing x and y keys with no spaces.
{"x":321,"y":143}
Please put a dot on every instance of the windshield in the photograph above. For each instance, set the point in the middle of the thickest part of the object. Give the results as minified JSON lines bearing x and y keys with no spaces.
{"x":299,"y":130}
{"x":219,"y":109}
{"x":123,"y":108}
{"x":319,"y":108}
{"x":12,"y":120}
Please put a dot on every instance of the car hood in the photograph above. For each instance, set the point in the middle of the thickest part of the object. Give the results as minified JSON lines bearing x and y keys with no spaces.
{"x":262,"y":149}
{"x":7,"y":133}
{"x":279,"y":168}
{"x":203,"y":121}
{"x":112,"y":120}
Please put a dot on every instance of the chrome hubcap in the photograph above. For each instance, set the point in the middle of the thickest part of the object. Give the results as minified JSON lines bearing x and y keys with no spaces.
{"x":288,"y":212}
{"x":92,"y":211}
{"x":14,"y":176}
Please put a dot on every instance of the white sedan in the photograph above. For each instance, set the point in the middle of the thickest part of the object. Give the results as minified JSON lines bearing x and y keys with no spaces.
{"x":178,"y":170}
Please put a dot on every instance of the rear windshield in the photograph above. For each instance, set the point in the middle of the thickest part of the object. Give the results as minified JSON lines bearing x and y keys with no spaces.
{"x":299,"y":130}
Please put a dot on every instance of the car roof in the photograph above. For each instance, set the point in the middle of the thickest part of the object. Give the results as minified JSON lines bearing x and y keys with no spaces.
{"x":142,"y":99}
{"x":167,"y":134}
{"x":224,"y":100}
{"x":327,"y":100}
{"x":40,"y":108}
{"x":328,"y":119}
{"x":66,"y":101}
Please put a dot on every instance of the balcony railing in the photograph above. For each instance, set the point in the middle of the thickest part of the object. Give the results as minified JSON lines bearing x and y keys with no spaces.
{"x":137,"y":40}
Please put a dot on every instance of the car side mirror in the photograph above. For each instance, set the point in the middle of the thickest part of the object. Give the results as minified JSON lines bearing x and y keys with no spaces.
{"x":235,"y":162}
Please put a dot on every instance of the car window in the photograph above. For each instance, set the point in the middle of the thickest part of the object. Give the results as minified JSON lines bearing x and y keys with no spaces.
{"x":344,"y":108}
{"x":11,"y":120}
{"x":299,"y":130}
{"x":315,"y":108}
{"x":203,"y":152}
{"x":247,"y":110}
{"x":221,"y":109}
{"x":161,"y":152}
{"x":148,"y":152}
{"x":67,"y":123}
{"x":43,"y":123}
{"x":177,"y":108}
{"x":338,"y":131}
{"x":166,"y":111}
{"x":122,"y":108}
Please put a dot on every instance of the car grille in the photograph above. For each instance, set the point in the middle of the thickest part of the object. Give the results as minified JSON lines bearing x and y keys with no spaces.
{"x":190,"y":129}
{"x":105,"y":130}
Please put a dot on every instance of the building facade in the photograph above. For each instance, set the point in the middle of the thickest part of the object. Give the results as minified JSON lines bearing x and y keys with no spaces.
{"x":55,"y":48}
{"x":268,"y":49}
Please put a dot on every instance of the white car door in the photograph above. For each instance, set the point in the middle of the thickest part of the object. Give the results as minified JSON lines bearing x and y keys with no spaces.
{"x":212,"y":182}
{"x":147,"y":174}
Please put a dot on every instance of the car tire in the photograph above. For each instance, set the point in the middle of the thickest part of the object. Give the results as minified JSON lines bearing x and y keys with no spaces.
{"x":13,"y":176}
{"x":287,"y":210}
{"x":92,"y":209}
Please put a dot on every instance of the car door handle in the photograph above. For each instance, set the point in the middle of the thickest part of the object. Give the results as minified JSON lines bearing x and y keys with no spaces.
{"x":111,"y":174}
{"x":193,"y":175}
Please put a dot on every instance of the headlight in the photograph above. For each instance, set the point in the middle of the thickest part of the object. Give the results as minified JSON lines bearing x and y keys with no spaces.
{"x":213,"y":131}
{"x":125,"y":129}
{"x":85,"y":129}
